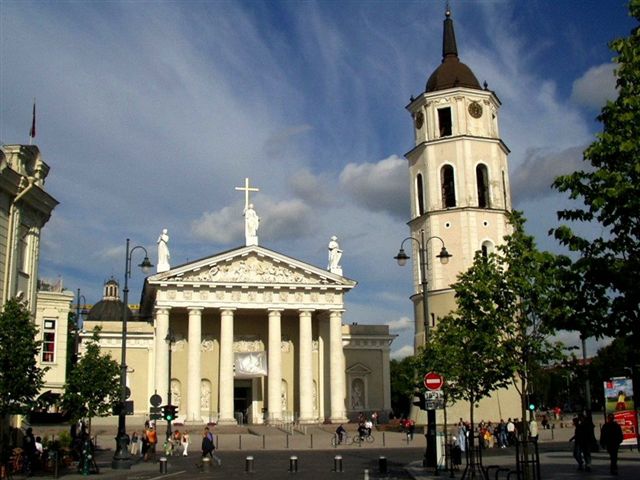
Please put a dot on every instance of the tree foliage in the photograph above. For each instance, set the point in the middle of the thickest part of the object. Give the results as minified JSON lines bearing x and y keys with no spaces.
{"x":20,"y":376}
{"x":609,"y":191}
{"x":93,"y":386}
{"x":500,"y":332}
{"x":402,"y":385}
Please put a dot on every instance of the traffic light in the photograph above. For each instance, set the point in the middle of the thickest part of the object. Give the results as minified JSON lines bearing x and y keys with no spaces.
{"x":169,"y":412}
{"x":419,"y":400}
{"x":532,"y":406}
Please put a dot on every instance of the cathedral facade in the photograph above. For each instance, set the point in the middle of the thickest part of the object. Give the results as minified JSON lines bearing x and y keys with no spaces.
{"x":249,"y":336}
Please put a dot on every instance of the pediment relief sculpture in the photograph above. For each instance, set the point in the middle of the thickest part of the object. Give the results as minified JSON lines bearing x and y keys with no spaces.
{"x":251,"y":270}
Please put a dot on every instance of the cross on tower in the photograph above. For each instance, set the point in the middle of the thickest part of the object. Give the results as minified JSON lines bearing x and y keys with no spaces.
{"x":246,"y":189}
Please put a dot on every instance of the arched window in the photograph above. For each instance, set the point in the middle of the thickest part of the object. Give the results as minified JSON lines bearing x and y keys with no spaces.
{"x":448,"y":187}
{"x":420,"y":194}
{"x":482,"y":182}
{"x":487,"y":248}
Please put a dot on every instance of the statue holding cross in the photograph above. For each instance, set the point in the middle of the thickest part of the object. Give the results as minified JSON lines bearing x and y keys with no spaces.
{"x":251,"y":218}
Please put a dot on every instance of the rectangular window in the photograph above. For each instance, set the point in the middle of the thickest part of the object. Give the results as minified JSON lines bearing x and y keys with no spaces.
{"x":444,"y":121}
{"x":49,"y":341}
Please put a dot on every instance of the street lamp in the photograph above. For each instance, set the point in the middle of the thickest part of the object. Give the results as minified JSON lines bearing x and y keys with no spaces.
{"x":121,"y":458}
{"x":430,"y":457}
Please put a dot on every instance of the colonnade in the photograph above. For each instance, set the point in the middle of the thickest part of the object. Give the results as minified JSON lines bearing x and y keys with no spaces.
{"x":274,"y":362}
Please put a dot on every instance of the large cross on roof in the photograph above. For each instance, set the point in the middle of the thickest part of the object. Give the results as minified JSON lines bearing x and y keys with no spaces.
{"x":246,"y":189}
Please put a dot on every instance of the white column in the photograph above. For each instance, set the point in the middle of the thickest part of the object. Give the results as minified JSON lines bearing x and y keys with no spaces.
{"x":274,"y":364}
{"x":194,"y":375}
{"x":386,"y":380}
{"x":336,"y":368}
{"x":305,"y":381}
{"x":162,"y":353}
{"x":225,"y":380}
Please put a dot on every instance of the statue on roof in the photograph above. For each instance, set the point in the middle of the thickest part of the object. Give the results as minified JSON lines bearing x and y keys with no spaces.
{"x":251,"y":224}
{"x":335,"y":254}
{"x":163,"y":252}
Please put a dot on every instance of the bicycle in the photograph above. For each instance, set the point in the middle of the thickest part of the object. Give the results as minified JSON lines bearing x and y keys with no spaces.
{"x":335,"y":441}
{"x":368,"y":438}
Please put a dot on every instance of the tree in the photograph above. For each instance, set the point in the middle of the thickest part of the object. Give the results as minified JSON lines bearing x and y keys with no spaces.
{"x":609,"y":191}
{"x":466,"y":347}
{"x":402,"y":385}
{"x":531,"y":286}
{"x":93,"y":386}
{"x":20,"y":376}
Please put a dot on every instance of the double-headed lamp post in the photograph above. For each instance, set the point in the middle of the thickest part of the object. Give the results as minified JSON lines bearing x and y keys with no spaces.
{"x":121,"y":458}
{"x":430,"y":458}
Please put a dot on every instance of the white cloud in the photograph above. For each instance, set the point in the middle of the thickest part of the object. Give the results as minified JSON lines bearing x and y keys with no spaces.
{"x":400,"y":325}
{"x":533,"y":178}
{"x":380,"y":186}
{"x":220,"y":227}
{"x":595,"y":87}
{"x":402,"y":352}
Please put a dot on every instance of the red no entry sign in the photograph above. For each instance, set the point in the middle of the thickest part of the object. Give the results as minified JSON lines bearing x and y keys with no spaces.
{"x":433,"y":381}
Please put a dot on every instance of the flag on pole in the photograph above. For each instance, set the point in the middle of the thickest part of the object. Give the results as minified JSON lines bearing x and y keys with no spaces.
{"x":32,"y":132}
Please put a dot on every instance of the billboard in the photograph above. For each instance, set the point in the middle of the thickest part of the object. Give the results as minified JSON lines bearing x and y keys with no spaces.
{"x":618,"y":400}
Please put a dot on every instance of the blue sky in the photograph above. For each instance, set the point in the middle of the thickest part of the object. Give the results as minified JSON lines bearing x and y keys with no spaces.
{"x":150,"y":113}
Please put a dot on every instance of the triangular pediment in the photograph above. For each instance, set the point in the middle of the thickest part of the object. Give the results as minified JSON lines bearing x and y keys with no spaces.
{"x":252,"y":265}
{"x":358,"y":369}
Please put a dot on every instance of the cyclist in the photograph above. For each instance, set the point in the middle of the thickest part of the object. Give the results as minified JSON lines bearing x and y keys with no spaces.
{"x":341,"y":433}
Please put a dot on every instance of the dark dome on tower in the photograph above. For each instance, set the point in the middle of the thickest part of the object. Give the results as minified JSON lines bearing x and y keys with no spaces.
{"x":110,"y":307}
{"x":451,"y":72}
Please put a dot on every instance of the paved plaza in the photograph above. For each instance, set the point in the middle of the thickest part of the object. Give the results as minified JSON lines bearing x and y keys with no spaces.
{"x":272,"y":450}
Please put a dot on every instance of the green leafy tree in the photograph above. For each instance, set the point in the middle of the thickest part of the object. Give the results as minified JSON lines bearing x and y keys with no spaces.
{"x":93,"y":386}
{"x":608,"y":189}
{"x":402,"y":385}
{"x":20,"y":376}
{"x":465,"y":347}
{"x":531,"y":283}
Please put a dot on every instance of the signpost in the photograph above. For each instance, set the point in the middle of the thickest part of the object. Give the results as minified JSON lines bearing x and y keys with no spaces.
{"x":433,"y":382}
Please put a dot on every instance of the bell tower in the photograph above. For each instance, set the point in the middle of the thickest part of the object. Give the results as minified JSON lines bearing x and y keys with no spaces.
{"x":459,"y":180}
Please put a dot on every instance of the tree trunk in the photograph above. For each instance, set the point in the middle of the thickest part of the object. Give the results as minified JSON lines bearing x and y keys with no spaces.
{"x":524,"y":434}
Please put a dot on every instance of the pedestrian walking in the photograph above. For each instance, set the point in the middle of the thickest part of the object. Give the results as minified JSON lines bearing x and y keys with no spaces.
{"x":185,"y":443}
{"x":611,"y":438}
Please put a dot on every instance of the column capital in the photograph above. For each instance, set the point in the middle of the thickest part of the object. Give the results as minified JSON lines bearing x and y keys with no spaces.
{"x":275,"y":310}
{"x":306,"y":310}
{"x":195,"y":308}
{"x":228,"y":310}
{"x":162,"y":310}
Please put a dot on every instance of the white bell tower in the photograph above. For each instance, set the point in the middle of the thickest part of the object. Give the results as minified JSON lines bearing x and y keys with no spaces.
{"x":459,"y":179}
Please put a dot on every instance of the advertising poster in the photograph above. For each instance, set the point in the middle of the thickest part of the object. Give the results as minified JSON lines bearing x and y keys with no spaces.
{"x":618,"y":396}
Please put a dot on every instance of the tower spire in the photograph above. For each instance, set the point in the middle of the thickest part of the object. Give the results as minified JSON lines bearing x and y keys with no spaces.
{"x":449,"y":47}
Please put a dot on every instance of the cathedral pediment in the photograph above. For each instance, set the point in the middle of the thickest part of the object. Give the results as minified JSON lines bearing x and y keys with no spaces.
{"x":252,"y":265}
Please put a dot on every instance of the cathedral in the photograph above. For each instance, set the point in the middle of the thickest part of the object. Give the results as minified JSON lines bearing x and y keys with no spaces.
{"x":248,"y":335}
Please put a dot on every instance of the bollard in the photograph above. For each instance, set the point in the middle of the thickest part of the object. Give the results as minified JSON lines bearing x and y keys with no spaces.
{"x":293,"y":464}
{"x":337,"y":463}
{"x":382,"y":464}
{"x":163,"y":464}
{"x":248,"y":465}
{"x":366,"y":474}
{"x":206,"y":464}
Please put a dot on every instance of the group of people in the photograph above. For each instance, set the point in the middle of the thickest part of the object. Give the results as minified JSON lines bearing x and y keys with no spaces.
{"x":585,"y":441}
{"x":144,"y":444}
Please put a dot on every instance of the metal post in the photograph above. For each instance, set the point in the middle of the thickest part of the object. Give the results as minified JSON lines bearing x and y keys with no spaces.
{"x":248,"y":465}
{"x":293,"y":464}
{"x":587,"y":382}
{"x":382,"y":464}
{"x":170,"y":340}
{"x":337,"y":463}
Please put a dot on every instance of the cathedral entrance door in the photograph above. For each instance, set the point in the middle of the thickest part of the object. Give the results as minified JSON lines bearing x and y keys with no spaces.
{"x":242,"y":396}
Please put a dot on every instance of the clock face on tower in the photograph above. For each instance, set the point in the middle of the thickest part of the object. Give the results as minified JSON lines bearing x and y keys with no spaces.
{"x":475,"y":109}
{"x":419,"y":120}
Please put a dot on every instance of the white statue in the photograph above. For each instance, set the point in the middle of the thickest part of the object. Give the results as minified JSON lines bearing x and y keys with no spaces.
{"x":335,"y":254}
{"x":251,"y":224}
{"x":163,"y":252}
